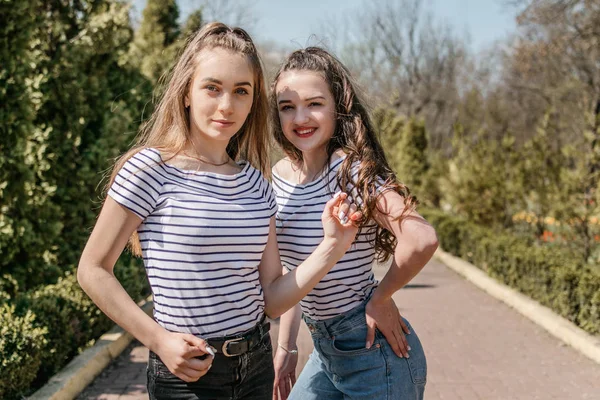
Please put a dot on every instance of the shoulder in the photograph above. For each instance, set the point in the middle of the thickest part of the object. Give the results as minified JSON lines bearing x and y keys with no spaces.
{"x":338,"y":155}
{"x":284,"y":168}
{"x":143,"y":158}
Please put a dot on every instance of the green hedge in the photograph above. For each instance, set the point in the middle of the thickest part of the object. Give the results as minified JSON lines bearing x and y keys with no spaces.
{"x":21,"y":343}
{"x":42,"y":330}
{"x":547,"y":273}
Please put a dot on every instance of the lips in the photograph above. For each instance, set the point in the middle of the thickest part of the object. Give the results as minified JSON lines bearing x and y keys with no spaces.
{"x":304,"y":132}
{"x":223,"y":123}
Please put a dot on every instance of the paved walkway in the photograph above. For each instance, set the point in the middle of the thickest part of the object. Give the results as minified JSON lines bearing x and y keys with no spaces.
{"x":477,"y":348}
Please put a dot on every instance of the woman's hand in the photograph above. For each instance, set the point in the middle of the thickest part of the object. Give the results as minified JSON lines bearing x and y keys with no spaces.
{"x":178,"y":351}
{"x":339,"y":218}
{"x":285,"y":373}
{"x":385,"y":316}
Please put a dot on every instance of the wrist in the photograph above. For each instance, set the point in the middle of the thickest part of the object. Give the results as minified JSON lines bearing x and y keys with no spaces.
{"x":378,"y":299}
{"x":334,"y":246}
{"x":157,"y":339}
{"x":288,"y":349}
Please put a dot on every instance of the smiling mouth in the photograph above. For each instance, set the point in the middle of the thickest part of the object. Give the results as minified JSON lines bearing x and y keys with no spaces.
{"x":304,"y":132}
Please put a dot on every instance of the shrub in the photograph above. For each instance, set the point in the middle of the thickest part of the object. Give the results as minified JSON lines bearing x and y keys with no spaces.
{"x":21,"y":347}
{"x":551,"y":275}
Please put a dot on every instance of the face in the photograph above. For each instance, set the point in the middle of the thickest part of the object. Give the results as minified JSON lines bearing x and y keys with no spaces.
{"x":306,"y":110}
{"x":220,"y":95}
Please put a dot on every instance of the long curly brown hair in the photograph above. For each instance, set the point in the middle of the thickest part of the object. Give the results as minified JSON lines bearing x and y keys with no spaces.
{"x":354,"y":135}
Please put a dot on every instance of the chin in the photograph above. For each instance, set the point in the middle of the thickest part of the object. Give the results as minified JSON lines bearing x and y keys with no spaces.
{"x":307,"y":147}
{"x":222,"y":135}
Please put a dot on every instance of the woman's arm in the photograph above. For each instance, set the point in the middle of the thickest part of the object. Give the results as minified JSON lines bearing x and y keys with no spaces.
{"x":417,"y":241}
{"x":95,"y":275}
{"x":286,"y":353}
{"x":283,"y":292}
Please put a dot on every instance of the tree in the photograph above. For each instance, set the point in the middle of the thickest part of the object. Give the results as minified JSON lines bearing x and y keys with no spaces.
{"x":543,"y":164}
{"x":388,"y":125}
{"x":484,"y":181}
{"x":558,"y":63}
{"x":26,"y":211}
{"x":75,"y":104}
{"x":157,"y":32}
{"x":231,"y":12}
{"x":411,"y":159}
{"x":409,"y":62}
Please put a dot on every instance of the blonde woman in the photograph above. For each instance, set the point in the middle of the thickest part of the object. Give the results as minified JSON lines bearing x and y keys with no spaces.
{"x":192,"y":200}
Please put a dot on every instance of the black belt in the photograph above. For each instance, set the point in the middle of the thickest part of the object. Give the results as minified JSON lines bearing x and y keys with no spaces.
{"x":240,"y":344}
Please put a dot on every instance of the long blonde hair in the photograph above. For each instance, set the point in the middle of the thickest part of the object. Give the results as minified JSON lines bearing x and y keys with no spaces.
{"x":168,"y":129}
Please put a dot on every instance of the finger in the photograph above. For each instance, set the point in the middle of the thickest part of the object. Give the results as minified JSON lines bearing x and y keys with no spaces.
{"x":188,"y":375}
{"x":392,"y":341}
{"x":402,"y":343}
{"x":403,"y":336}
{"x":197,"y":364}
{"x":357,"y":216}
{"x":404,"y":326}
{"x":343,"y":212}
{"x":285,"y":388}
{"x":293,"y":378}
{"x":276,"y":390}
{"x":194,"y":340}
{"x":185,"y":377}
{"x":370,"y":335}
{"x":352,"y":209}
{"x":334,"y":202}
{"x":194,"y":351}
{"x":197,"y":346}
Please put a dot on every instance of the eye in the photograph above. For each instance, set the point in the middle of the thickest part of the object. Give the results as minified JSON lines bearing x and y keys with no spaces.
{"x":315,"y":104}
{"x":286,"y":108}
{"x":212,"y":88}
{"x":241,"y":91}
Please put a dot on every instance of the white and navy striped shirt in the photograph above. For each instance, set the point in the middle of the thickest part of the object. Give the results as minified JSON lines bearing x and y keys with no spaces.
{"x":299,"y":232}
{"x":202,"y":237}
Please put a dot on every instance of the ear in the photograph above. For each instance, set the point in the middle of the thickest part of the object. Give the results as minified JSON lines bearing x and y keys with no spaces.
{"x":186,"y":101}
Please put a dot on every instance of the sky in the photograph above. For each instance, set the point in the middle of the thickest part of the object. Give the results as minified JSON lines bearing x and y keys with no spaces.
{"x":291,"y":23}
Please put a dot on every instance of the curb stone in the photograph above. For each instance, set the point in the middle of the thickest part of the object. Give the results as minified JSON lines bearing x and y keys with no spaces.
{"x":556,"y":325}
{"x":83,"y":369}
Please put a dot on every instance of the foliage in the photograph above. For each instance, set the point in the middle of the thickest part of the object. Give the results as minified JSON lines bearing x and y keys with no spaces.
{"x":552,"y":275}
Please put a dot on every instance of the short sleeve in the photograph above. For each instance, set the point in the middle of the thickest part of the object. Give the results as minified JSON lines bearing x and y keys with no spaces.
{"x":380,"y":184}
{"x":137,"y":185}
{"x":270,"y":199}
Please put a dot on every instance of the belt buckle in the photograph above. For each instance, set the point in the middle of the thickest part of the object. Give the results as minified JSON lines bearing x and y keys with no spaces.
{"x":224,"y":348}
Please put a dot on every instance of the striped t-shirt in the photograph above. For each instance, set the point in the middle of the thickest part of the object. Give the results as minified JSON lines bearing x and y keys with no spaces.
{"x":202,"y":237}
{"x":300,"y":231}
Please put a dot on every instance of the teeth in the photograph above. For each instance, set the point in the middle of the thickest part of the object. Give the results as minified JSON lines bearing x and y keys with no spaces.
{"x":305,"y":131}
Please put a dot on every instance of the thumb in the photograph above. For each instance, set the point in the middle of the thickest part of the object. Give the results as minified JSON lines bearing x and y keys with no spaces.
{"x":197,"y":344}
{"x":370,"y":333}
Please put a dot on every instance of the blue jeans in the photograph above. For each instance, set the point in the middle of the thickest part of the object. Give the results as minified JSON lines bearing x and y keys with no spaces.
{"x":341,"y":367}
{"x":249,"y":376}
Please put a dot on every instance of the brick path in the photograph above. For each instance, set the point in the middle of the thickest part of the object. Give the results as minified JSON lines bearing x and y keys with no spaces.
{"x":477,"y":348}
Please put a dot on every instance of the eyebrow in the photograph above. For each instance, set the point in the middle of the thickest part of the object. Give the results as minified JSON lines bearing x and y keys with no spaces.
{"x":308,"y":99}
{"x":213,"y":80}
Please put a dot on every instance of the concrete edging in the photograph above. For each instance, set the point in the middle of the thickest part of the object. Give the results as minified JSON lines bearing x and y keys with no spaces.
{"x":83,"y":369}
{"x":556,"y":325}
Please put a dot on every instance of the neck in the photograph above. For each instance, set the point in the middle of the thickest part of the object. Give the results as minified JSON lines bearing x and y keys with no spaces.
{"x":213,"y":151}
{"x":313,"y":162}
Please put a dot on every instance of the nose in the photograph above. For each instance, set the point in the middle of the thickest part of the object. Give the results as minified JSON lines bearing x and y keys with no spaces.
{"x":225,"y":104}
{"x":301,"y":116}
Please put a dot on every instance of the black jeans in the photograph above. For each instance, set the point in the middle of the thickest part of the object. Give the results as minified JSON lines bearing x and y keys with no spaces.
{"x":249,"y":376}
